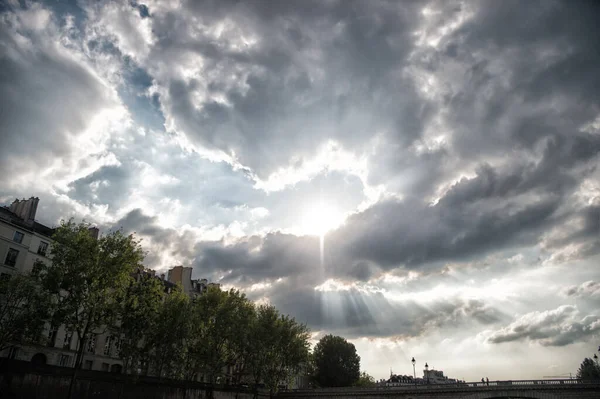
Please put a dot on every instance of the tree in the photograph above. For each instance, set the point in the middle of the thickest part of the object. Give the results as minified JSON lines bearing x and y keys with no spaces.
{"x":23,"y":310}
{"x":336,"y":362}
{"x":86,"y":277}
{"x":240,"y":341}
{"x":264,"y":339}
{"x":589,"y":370}
{"x":167,"y":340}
{"x":290,"y":352}
{"x":279,"y":348}
{"x":220,"y":336}
{"x":139,"y":314}
{"x":214,"y":326}
{"x":365,"y":380}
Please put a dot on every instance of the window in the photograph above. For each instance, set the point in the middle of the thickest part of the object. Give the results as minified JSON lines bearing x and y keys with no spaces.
{"x":12,"y":352}
{"x":107,"y":345}
{"x":105,"y":366}
{"x":52,"y":335}
{"x":91,"y":345}
{"x":65,"y":360}
{"x":87,"y":365}
{"x":68,"y":339}
{"x":117,"y":346}
{"x":37,"y":267}
{"x":18,"y":237}
{"x":42,"y":248}
{"x":11,"y":257}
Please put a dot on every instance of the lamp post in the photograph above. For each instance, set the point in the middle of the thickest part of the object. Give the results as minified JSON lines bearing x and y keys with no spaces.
{"x":427,"y":372}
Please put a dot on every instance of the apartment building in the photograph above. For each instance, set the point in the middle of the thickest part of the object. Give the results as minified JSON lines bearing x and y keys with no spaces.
{"x":183,"y":276}
{"x":23,"y":242}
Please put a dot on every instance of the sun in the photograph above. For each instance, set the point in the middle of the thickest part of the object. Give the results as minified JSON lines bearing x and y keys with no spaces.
{"x":319,"y":218}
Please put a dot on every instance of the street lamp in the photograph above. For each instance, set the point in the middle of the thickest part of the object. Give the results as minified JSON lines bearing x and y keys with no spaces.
{"x":427,"y":372}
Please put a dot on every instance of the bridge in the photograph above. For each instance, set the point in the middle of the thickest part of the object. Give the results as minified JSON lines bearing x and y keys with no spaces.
{"x":531,"y":389}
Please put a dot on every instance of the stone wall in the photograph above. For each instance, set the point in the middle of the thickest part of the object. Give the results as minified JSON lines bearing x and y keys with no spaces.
{"x":533,"y":391}
{"x":24,"y":380}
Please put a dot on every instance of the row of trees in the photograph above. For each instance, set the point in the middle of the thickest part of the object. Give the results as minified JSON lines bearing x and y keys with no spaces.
{"x":93,"y":286}
{"x":589,"y":370}
{"x":171,"y":335}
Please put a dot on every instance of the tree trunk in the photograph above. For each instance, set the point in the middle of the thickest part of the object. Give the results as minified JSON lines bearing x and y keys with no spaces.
{"x":77,"y":365}
{"x":79,"y":357}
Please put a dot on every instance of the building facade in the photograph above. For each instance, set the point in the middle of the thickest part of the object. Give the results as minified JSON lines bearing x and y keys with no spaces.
{"x":183,"y":276}
{"x":23,"y":243}
{"x":437,"y":377}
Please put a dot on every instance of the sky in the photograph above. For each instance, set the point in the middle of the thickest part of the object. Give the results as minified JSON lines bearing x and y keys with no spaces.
{"x":418,"y":177}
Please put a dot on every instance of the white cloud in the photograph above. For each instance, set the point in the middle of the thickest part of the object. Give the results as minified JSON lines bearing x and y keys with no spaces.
{"x":558,"y":327}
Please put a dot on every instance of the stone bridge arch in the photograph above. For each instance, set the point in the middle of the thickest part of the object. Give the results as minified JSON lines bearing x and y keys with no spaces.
{"x":510,"y":395}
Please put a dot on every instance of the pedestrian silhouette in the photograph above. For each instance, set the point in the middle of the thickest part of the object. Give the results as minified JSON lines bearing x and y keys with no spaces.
{"x":487,"y":381}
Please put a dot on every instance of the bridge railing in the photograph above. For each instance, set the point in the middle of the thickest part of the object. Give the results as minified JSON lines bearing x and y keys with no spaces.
{"x":460,"y":385}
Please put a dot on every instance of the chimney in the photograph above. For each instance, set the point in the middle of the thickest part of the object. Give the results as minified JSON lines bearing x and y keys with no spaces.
{"x":25,"y":209}
{"x":94,"y":231}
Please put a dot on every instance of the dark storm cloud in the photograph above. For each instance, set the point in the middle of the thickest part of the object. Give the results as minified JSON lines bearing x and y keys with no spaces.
{"x":410,"y":233}
{"x":586,"y":234}
{"x":354,"y":313}
{"x":317,"y":71}
{"x":137,"y":221}
{"x":103,"y":185}
{"x":276,"y":255}
{"x":558,"y":327}
{"x":388,"y":235}
{"x":163,"y":243}
{"x":518,"y":76}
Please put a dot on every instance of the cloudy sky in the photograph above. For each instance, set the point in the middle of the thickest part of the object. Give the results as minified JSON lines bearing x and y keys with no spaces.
{"x":419,"y":177}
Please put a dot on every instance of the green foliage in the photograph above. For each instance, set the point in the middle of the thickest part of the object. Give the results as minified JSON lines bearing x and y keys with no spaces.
{"x":240,"y":341}
{"x":336,"y":363}
{"x":24,"y":308}
{"x":220,"y":334}
{"x":279,"y":348}
{"x":167,"y":340}
{"x":589,"y":370}
{"x":365,"y":380}
{"x":87,"y":276}
{"x":139,"y":317}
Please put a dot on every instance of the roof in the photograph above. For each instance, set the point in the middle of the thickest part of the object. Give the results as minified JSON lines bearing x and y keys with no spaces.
{"x":7,"y":214}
